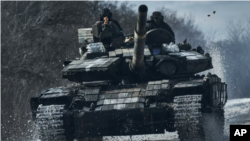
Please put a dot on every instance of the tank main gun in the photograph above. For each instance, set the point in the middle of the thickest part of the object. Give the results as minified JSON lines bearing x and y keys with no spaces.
{"x":137,"y":63}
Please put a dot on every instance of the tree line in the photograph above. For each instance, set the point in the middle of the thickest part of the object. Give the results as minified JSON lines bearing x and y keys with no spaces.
{"x":236,"y":52}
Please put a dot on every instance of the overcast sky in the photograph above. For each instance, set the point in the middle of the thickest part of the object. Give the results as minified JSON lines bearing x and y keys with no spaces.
{"x":215,"y":24}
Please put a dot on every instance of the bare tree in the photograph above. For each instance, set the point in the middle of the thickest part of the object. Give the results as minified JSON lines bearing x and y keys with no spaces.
{"x":235,"y":50}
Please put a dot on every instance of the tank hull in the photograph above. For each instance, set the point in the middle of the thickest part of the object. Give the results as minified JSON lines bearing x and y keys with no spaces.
{"x":149,"y":108}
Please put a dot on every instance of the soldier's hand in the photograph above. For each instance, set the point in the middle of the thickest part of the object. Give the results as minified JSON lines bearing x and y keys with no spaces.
{"x":106,"y":20}
{"x":129,"y":39}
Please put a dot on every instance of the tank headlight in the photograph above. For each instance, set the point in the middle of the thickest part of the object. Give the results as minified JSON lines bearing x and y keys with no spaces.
{"x":167,"y":68}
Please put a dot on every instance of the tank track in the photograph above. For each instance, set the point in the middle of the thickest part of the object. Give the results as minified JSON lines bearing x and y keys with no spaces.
{"x":49,"y":123}
{"x":188,"y":117}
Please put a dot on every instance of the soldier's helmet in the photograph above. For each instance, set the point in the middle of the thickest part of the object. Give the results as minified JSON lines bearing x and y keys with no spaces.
{"x":106,"y":13}
{"x":156,"y":15}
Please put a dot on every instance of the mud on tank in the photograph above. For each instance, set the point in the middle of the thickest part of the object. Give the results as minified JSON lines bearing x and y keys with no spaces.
{"x":146,"y":89}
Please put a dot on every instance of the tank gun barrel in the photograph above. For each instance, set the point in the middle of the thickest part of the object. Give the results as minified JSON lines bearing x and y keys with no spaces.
{"x":137,"y":64}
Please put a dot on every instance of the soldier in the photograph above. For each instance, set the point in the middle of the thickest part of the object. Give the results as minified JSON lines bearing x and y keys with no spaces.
{"x":108,"y":31}
{"x":156,"y":21}
{"x":106,"y":15}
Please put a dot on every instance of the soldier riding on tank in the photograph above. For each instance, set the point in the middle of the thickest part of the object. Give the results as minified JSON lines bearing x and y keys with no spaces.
{"x":106,"y":13}
{"x":156,"y":21}
{"x":108,"y":31}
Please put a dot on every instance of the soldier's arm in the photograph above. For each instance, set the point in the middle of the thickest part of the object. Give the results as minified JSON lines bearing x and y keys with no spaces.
{"x":118,"y":25}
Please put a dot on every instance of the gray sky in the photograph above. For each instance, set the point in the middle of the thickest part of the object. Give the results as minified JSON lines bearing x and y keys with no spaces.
{"x":216,"y":24}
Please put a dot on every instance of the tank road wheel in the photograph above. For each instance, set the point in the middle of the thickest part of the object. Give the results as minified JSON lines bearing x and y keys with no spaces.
{"x":49,"y":123}
{"x":192,"y":124}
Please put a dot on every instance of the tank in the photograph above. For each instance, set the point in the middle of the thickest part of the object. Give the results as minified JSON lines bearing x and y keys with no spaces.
{"x":149,"y":88}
